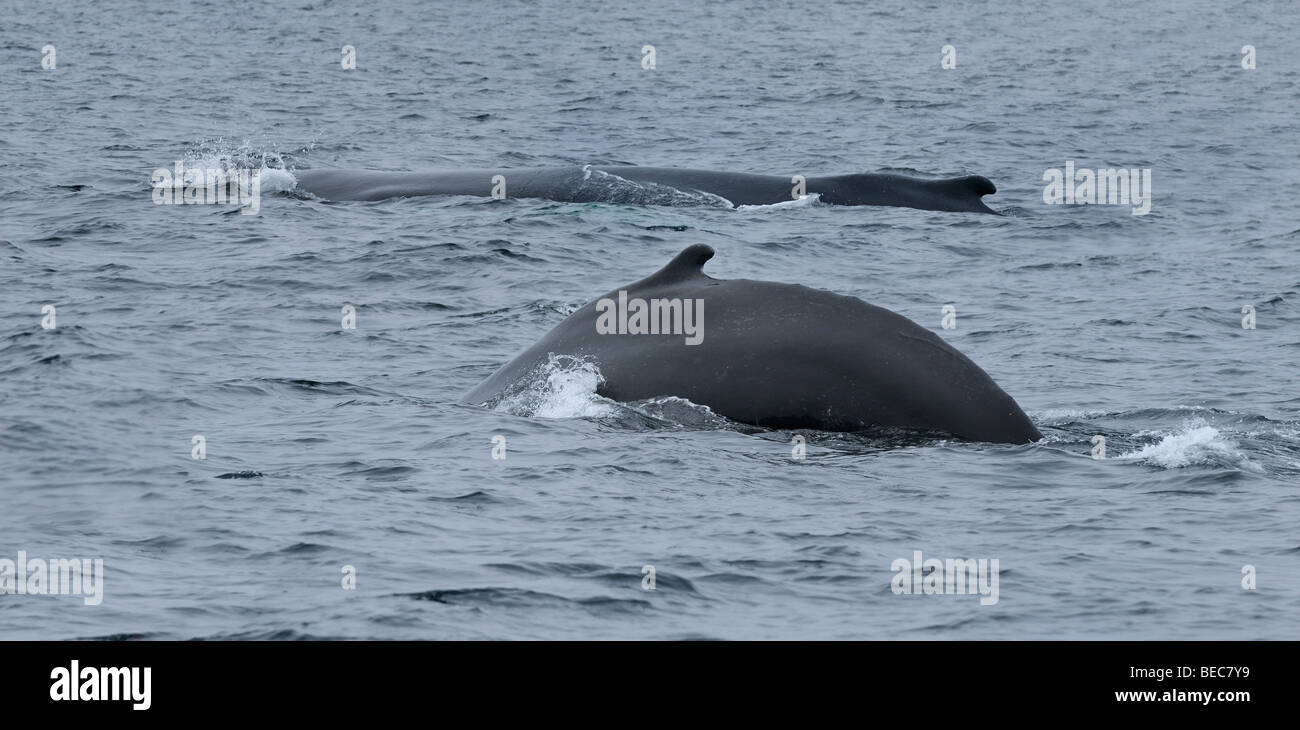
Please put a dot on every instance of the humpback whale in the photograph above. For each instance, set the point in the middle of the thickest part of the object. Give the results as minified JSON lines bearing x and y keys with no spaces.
{"x":771,"y":355}
{"x":653,"y":186}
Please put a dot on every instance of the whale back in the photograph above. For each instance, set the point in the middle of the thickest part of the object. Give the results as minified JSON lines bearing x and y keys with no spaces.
{"x":635,"y":185}
{"x":782,"y":356}
{"x":957,"y":194}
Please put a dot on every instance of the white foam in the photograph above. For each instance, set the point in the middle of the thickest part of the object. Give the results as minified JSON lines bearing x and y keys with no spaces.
{"x":275,"y":180}
{"x":679,"y":411}
{"x":1061,"y":415}
{"x":1196,"y":443}
{"x":273,"y":176}
{"x":616,"y":189}
{"x":807,"y":201}
{"x":562,"y":387}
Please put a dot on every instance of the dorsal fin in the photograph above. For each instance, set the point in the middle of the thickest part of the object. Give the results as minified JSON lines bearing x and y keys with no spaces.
{"x":967,"y":193}
{"x":978,"y":184}
{"x":690,"y":262}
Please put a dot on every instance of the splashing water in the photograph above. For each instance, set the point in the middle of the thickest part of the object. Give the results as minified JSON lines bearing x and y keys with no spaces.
{"x":1196,"y":443}
{"x":275,"y":172}
{"x":564,"y":386}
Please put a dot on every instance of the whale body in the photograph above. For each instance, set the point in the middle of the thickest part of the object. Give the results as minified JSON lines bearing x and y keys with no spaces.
{"x":775,"y":355}
{"x":653,"y":186}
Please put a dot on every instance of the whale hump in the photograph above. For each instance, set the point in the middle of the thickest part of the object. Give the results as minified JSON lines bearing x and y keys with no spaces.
{"x":685,"y":265}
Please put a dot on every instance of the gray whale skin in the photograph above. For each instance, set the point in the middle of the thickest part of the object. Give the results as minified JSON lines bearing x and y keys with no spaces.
{"x":652,"y":186}
{"x":782,"y":356}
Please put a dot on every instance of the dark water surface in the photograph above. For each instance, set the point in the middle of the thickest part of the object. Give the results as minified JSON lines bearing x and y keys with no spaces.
{"x":329,"y":447}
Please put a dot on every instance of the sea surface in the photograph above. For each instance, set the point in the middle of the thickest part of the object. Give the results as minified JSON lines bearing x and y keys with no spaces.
{"x":328,"y":447}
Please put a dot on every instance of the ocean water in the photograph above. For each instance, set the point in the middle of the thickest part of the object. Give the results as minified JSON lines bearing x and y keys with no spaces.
{"x":328,"y":447}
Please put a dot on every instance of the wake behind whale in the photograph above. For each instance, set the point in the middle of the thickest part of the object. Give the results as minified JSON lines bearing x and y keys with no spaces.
{"x":629,"y":184}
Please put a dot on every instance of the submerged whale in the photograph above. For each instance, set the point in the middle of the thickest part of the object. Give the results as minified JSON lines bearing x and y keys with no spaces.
{"x":653,"y":186}
{"x":771,"y":355}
